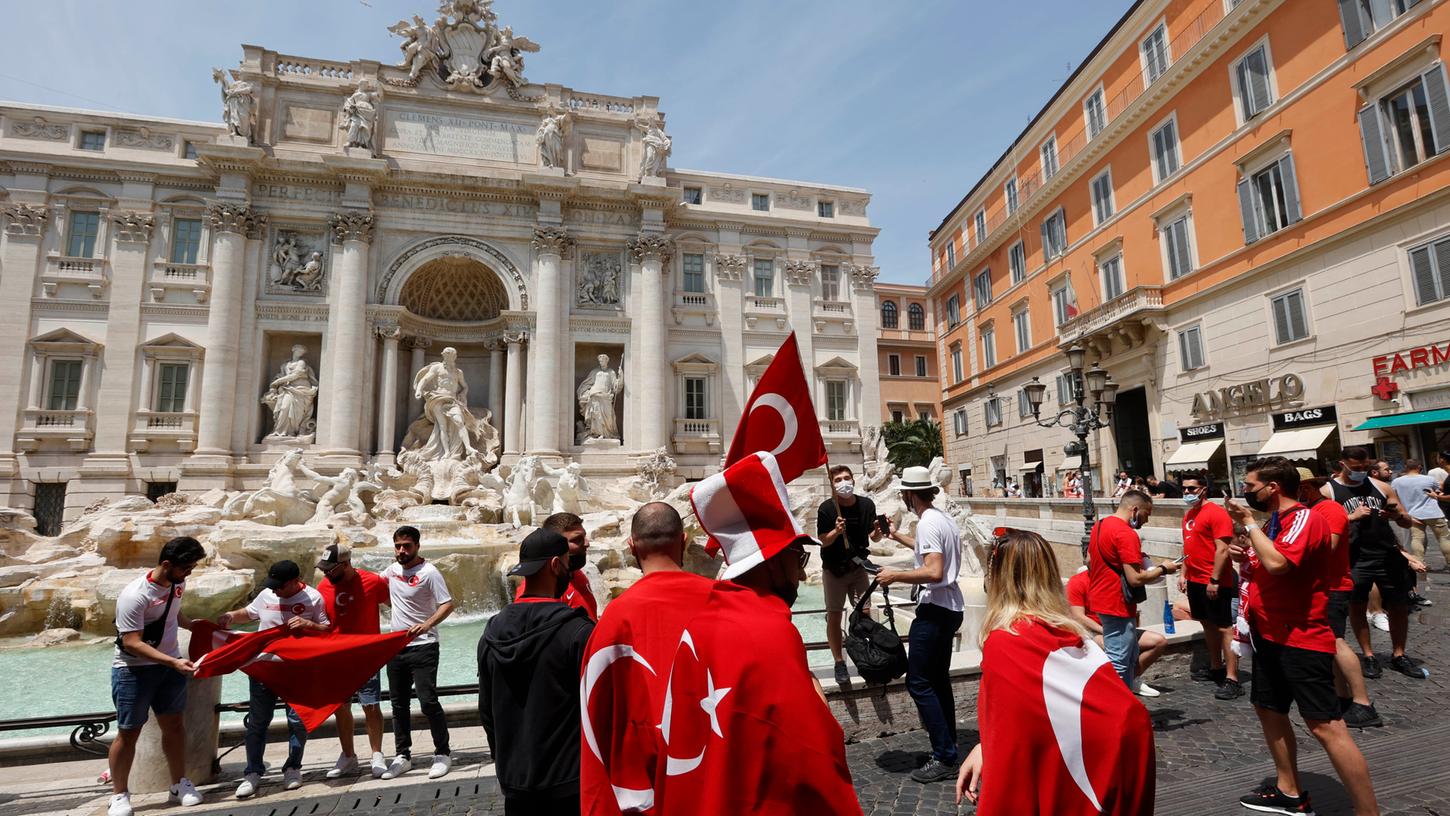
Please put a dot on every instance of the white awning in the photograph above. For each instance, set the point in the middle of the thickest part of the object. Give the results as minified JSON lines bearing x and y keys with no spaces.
{"x":1191,"y":455}
{"x":1297,"y":443}
{"x":1030,"y":466}
{"x":1071,"y":463}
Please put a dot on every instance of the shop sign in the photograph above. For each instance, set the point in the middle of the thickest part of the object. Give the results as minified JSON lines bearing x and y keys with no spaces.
{"x":1268,"y":394}
{"x":1386,"y":366}
{"x":1305,"y":417}
{"x":1198,"y":433}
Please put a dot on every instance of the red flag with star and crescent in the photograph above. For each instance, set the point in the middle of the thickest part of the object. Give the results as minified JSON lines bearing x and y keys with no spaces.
{"x":787,"y":428}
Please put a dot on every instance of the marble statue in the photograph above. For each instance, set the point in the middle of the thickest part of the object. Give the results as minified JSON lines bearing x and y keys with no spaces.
{"x":596,"y":395}
{"x":338,"y":496}
{"x":657,"y":146}
{"x":360,"y":116}
{"x":308,"y":278}
{"x":570,"y":489}
{"x":550,"y":138}
{"x":286,"y":259}
{"x":599,"y":280}
{"x":239,"y":103}
{"x":291,"y":396}
{"x":505,"y":58}
{"x":653,"y":472}
{"x":420,"y":46}
{"x":444,"y":392}
{"x":519,"y":499}
{"x":468,"y":11}
{"x":281,"y":501}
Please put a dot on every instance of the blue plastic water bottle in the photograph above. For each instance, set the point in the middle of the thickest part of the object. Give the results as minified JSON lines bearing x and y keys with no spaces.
{"x":1168,"y":617}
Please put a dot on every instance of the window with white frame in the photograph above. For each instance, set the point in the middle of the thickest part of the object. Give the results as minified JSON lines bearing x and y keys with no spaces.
{"x":80,"y":234}
{"x":989,"y":347}
{"x":1017,"y":261}
{"x":92,"y":140}
{"x":692,"y":269}
{"x":889,"y":315}
{"x":826,"y":209}
{"x":1407,"y":125}
{"x":188,"y":150}
{"x":1190,"y":348}
{"x":1361,"y":18}
{"x":1054,"y":235}
{"x":1430,"y":271}
{"x":1253,"y":83}
{"x":1064,"y":388}
{"x":959,"y":421}
{"x":951,"y":254}
{"x":1064,"y":302}
{"x":1177,"y":239}
{"x":185,"y":240}
{"x":1154,"y":50}
{"x":830,"y":282}
{"x":694,"y":195}
{"x":764,"y":276}
{"x":695,"y":405}
{"x":836,"y":400}
{"x":1164,"y":143}
{"x":893,"y":365}
{"x":1291,"y":318}
{"x":1022,"y":328}
{"x":1102,"y":193}
{"x":982,"y":288}
{"x":1009,"y":192}
{"x":921,"y":365}
{"x":1269,"y":199}
{"x":958,"y":370}
{"x":1024,"y":406}
{"x":916,"y":317}
{"x":1111,"y":272}
{"x":898,"y":414}
{"x":954,"y":311}
{"x":1095,"y":112}
{"x":760,"y":202}
{"x":171,"y":380}
{"x":1049,"y":157}
{"x":979,"y":223}
{"x":923,"y":414}
{"x":992,"y":411}
{"x":65,"y":384}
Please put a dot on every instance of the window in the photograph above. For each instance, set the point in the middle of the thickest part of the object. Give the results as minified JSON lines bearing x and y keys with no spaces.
{"x":1064,"y":303}
{"x":1024,"y":406}
{"x":1164,"y":141}
{"x":760,"y":202}
{"x":1009,"y":191}
{"x":695,"y":398}
{"x":989,"y":348}
{"x":1269,"y":200}
{"x":185,"y":240}
{"x":1017,"y":261}
{"x":897,"y":415}
{"x":1407,"y":126}
{"x":1361,"y":18}
{"x":1022,"y":327}
{"x":1111,"y":271}
{"x":836,"y":400}
{"x":1155,"y":54}
{"x":951,"y":254}
{"x":1190,"y":349}
{"x":982,"y":288}
{"x":694,"y":195}
{"x":958,"y":372}
{"x":830,"y":282}
{"x":93,"y":140}
{"x":171,"y":387}
{"x":921,"y":365}
{"x":992,"y":409}
{"x":155,"y":490}
{"x":188,"y":151}
{"x":80,"y":238}
{"x":1177,"y":249}
{"x":1290,"y":320}
{"x":1251,"y":82}
{"x":980,"y":222}
{"x":1102,"y":190}
{"x":764,"y":277}
{"x":1064,"y":388}
{"x":49,"y":510}
{"x":826,"y":209}
{"x":1049,"y":158}
{"x":1096,"y":113}
{"x":954,"y":311}
{"x":924,"y":414}
{"x":888,"y":315}
{"x":1430,"y":269}
{"x":65,"y":385}
{"x":916,"y":317}
{"x":893,"y":365}
{"x":692,"y":265}
{"x":959,"y":421}
{"x":1054,"y":235}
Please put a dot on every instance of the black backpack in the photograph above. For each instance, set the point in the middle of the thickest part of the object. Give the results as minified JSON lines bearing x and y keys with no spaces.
{"x":876,"y":649}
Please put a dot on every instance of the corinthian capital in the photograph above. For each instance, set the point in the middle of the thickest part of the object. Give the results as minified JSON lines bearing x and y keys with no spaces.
{"x":238,"y":218}
{"x":133,"y":227}
{"x":800,"y":273}
{"x":552,"y":241}
{"x":27,"y":220}
{"x":864,"y":277}
{"x":352,"y":226}
{"x":388,"y":331}
{"x":729,"y":267}
{"x":652,"y":246}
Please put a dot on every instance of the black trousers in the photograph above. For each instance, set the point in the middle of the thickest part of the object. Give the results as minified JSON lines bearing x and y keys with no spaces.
{"x":416,"y":669}
{"x":524,"y":804}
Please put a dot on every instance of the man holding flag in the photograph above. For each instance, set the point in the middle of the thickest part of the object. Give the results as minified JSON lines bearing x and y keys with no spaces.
{"x":352,"y":597}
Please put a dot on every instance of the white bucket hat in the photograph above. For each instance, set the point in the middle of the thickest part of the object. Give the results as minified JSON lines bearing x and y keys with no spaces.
{"x":914,"y":478}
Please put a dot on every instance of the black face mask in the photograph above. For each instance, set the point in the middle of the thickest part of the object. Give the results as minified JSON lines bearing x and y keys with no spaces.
{"x":1252,"y":497}
{"x":576,"y":562}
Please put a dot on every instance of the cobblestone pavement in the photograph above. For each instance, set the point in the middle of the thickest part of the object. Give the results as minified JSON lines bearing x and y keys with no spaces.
{"x":1211,"y":752}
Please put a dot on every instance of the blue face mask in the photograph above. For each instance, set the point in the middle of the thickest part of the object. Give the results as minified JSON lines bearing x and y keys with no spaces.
{"x":1357,"y":476}
{"x":1192,"y":498}
{"x":1135,"y":522}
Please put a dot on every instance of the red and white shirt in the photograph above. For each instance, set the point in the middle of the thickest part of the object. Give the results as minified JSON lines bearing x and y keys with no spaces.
{"x":273,"y":611}
{"x":1203,"y":525}
{"x":415,"y":594}
{"x":353,"y":605}
{"x":1291,"y":609}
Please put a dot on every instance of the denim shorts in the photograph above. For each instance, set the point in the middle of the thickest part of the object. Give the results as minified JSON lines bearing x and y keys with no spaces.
{"x":371,"y":693}
{"x":139,"y":689}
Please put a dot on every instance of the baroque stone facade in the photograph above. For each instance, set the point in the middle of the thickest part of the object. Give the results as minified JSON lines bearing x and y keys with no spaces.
{"x":158,"y":284}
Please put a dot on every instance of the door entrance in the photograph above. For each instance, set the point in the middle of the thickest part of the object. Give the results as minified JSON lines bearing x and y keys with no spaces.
{"x":1130,"y":426}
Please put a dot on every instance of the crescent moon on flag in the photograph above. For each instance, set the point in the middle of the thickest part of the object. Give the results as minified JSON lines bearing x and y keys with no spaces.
{"x":674,"y":766}
{"x":787,"y":417}
{"x":599,"y":662}
{"x":1065,"y":676}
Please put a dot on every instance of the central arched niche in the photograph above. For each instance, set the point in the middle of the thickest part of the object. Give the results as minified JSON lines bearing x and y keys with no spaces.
{"x":454,"y":288}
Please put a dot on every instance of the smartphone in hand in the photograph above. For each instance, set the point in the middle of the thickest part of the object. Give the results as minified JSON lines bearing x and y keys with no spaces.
{"x":883,"y":523}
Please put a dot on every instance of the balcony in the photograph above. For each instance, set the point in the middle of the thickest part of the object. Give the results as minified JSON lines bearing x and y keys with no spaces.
{"x":70,"y":428}
{"x":697,"y":436}
{"x":92,"y":273}
{"x":175,"y":429}
{"x":841,"y":435}
{"x":1127,"y":318}
{"x":182,"y":278}
{"x":826,"y":312}
{"x":694,"y":304}
{"x":766,"y":308}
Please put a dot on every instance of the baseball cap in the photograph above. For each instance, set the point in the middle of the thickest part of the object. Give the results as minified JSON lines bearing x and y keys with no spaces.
{"x":280,"y":573}
{"x":537,"y":549}
{"x":334,"y":554}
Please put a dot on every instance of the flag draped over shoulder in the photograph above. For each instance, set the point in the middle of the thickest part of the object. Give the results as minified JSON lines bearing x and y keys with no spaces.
{"x":746,"y":512}
{"x":314,"y":672}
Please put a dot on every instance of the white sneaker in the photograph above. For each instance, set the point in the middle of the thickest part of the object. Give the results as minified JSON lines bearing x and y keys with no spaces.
{"x":120,"y":805}
{"x":185,"y":793}
{"x":1144,"y":690}
{"x":345,"y":765}
{"x":291,"y":778}
{"x":249,"y":785}
{"x":399,"y":766}
{"x":379,"y":765}
{"x":1381,"y":621}
{"x":441,"y":764}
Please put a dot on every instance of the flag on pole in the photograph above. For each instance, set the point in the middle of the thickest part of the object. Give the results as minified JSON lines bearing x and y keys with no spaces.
{"x":788,"y":429}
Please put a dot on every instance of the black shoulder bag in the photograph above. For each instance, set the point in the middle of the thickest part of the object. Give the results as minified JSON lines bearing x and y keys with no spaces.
{"x":153,"y":632}
{"x":875,"y":648}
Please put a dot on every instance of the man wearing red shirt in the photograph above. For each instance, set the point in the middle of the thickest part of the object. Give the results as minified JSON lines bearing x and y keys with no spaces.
{"x":1210,"y":583}
{"x":1150,"y":644}
{"x":577,"y":594}
{"x":351,"y":598}
{"x":1115,"y":558}
{"x":1293,"y":644}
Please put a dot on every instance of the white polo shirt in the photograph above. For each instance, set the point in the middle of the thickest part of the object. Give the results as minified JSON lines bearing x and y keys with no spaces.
{"x":273,"y":611}
{"x":415,"y":593}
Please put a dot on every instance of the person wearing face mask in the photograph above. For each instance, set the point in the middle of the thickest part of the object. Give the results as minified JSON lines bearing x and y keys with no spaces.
{"x":578,"y":593}
{"x":352,"y":598}
{"x":1209,"y":582}
{"x":528,"y":683}
{"x":1115,"y":558}
{"x":846,"y":524}
{"x":419,"y":601}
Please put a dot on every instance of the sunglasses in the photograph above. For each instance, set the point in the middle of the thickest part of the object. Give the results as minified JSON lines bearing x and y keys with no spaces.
{"x":803,"y":554}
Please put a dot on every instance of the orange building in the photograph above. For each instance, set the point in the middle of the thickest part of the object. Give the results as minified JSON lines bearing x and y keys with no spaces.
{"x":1239,"y":209}
{"x":906,"y":354}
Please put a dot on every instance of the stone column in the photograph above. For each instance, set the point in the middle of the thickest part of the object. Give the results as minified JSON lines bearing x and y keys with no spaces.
{"x":863,"y":288}
{"x":651,"y":393}
{"x":123,"y":329}
{"x":733,"y":387}
{"x":550,"y":243}
{"x":388,"y":390}
{"x":514,"y":392}
{"x":20,"y":260}
{"x":419,"y":345}
{"x":348,"y":320}
{"x":495,"y":383}
{"x":232,"y":224}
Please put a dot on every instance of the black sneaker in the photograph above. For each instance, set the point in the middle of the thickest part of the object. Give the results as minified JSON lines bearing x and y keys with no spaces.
{"x":1420,"y":601}
{"x":934,"y":771}
{"x":1344,"y":704}
{"x":843,"y":677}
{"x":1370,"y":665}
{"x":1409,"y":667}
{"x":1202,"y":674}
{"x":1230,"y":690}
{"x":1269,"y":799}
{"x":1362,"y":716}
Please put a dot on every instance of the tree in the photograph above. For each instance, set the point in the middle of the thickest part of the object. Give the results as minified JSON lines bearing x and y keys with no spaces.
{"x":914,"y":442}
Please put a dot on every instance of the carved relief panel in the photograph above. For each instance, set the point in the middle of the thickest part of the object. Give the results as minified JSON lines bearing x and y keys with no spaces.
{"x":297,"y":261}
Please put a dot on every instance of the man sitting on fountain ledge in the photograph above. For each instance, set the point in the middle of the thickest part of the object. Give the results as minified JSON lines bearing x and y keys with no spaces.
{"x":578,"y":594}
{"x":420,"y":601}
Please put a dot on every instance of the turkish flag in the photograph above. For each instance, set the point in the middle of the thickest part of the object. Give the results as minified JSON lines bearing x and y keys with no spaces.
{"x":1051,"y":703}
{"x":313,"y":672}
{"x":788,"y":429}
{"x":746,"y":511}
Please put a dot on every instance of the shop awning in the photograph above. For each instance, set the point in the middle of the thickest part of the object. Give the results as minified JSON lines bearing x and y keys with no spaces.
{"x":1405,"y":418}
{"x":1191,"y":455}
{"x":1071,"y":463}
{"x":1297,"y":443}
{"x":1030,"y":466}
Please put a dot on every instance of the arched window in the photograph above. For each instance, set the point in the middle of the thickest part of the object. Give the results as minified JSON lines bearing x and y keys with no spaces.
{"x":917,"y":316}
{"x":888,"y":315}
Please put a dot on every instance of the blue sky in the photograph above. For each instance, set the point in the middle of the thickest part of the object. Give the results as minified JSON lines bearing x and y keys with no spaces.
{"x":910,"y":100}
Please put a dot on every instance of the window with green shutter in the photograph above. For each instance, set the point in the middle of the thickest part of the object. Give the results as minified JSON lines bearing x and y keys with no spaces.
{"x":1251,"y":75}
{"x":693,"y":267}
{"x":185,"y":240}
{"x":80,"y":238}
{"x":65,"y":384}
{"x":1291,"y":322}
{"x":171,"y":387}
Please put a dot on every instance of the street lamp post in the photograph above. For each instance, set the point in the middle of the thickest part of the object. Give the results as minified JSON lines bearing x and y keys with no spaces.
{"x":1082,"y":419}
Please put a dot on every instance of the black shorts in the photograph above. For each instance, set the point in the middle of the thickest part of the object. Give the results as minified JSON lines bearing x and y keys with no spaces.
{"x":1338,"y":611}
{"x":1287,"y":674}
{"x":1217,"y":611}
{"x":1392,"y":575}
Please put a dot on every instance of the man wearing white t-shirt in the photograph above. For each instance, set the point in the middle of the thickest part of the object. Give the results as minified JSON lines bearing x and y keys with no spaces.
{"x":420,"y":601}
{"x":283,"y":602}
{"x":938,"y":617}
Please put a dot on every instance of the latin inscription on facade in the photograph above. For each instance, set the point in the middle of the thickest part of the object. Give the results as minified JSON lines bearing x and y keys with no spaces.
{"x":469,"y":137}
{"x":296,"y":192}
{"x":462,"y":206}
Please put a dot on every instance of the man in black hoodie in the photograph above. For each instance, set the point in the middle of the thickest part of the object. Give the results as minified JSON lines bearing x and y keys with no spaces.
{"x":528,"y":684}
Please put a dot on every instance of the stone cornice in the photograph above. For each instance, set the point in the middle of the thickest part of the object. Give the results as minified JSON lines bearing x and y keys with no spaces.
{"x":352,"y":226}
{"x":238,"y":218}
